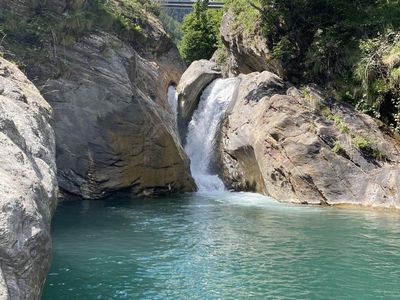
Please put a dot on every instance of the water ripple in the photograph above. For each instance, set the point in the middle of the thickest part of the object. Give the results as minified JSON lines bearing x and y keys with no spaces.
{"x":222,"y":246}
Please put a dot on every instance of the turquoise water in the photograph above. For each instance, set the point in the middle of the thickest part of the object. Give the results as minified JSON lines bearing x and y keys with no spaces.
{"x":222,"y":246}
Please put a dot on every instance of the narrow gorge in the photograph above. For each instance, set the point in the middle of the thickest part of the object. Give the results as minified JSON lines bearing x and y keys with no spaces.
{"x":203,"y":133}
{"x":214,"y":159}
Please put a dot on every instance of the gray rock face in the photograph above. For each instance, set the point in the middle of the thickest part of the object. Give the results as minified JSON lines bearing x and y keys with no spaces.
{"x":248,"y":52}
{"x":114,"y":127}
{"x":28,"y":186}
{"x":195,"y":79}
{"x":302,"y":147}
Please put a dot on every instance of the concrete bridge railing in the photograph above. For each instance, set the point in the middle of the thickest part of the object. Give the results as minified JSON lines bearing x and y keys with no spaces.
{"x":187,"y":4}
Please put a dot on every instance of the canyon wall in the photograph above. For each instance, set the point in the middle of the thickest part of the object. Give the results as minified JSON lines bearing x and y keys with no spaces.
{"x":28,"y":185}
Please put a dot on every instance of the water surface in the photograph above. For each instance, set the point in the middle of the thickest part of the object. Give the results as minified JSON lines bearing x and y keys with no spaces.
{"x":222,"y":246}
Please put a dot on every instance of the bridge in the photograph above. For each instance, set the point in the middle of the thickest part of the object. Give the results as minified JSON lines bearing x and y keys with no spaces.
{"x":188,"y":4}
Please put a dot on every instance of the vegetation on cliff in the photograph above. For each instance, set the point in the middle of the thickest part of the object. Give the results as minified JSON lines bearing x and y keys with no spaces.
{"x":350,"y":47}
{"x":378,"y":72}
{"x":172,"y":26}
{"x":200,"y":32}
{"x":38,"y":34}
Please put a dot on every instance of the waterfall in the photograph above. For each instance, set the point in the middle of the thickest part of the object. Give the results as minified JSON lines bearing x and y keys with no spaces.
{"x":173,"y":99}
{"x":206,"y":121}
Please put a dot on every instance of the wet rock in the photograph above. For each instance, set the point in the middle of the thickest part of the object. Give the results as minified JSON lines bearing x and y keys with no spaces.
{"x":195,"y":79}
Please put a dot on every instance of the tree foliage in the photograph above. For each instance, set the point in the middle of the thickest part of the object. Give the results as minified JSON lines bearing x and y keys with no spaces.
{"x":378,"y":71}
{"x":200,"y":32}
{"x":329,"y":41}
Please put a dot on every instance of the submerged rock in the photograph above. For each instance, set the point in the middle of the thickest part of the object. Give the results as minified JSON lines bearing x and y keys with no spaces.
{"x":28,"y":185}
{"x":301,"y":146}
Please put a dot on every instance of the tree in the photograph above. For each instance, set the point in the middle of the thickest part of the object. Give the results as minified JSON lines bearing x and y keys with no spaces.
{"x":351,"y":47}
{"x":200,"y":32}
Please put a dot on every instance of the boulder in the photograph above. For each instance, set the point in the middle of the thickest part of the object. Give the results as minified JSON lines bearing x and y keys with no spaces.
{"x":195,"y":79}
{"x":28,"y":185}
{"x":302,"y":146}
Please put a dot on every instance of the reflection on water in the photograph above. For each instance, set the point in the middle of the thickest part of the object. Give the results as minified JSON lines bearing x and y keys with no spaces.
{"x":222,"y":246}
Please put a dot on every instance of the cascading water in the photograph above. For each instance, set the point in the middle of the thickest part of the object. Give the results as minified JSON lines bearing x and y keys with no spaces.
{"x":173,"y":99}
{"x":200,"y":143}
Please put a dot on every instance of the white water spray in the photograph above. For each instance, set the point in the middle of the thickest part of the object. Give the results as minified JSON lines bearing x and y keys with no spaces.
{"x":173,"y":99}
{"x":200,"y":143}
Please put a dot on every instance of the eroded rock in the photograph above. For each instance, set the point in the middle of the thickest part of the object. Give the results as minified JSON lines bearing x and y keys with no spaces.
{"x":108,"y":88}
{"x":28,"y":185}
{"x":301,"y":146}
{"x":195,"y":79}
{"x":115,"y":130}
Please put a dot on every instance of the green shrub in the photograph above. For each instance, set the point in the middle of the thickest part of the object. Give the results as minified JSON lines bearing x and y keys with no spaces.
{"x":343,"y":128}
{"x":39,"y":38}
{"x":379,"y":75}
{"x":221,"y":54}
{"x":200,"y":32}
{"x":361,"y":142}
{"x":337,"y":147}
{"x":366,"y":147}
{"x":125,"y":17}
{"x":247,"y":18}
{"x":350,"y":47}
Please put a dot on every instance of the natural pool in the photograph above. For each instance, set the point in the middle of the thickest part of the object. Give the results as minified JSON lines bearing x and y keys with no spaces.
{"x":222,"y":246}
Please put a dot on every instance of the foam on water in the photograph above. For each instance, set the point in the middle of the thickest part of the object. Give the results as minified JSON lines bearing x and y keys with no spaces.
{"x":247,"y":199}
{"x":203,"y":128}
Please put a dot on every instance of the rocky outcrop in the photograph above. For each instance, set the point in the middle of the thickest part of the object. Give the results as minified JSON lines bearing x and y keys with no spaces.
{"x":301,"y":146}
{"x":114,"y":128}
{"x":195,"y":79}
{"x":28,"y":186}
{"x":247,"y":51}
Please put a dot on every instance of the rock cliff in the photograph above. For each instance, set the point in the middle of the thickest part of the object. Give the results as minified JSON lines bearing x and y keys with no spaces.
{"x":108,"y":88}
{"x":247,"y":51}
{"x":113,"y":126}
{"x":28,"y":185}
{"x":301,"y":146}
